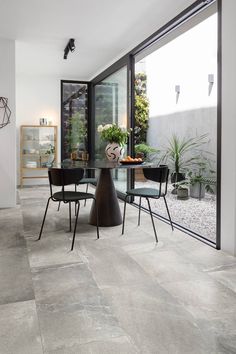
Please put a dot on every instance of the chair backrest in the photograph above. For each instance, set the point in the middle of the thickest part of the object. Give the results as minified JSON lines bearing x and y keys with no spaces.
{"x":157,"y":174}
{"x":160,"y":175}
{"x":64,"y":177}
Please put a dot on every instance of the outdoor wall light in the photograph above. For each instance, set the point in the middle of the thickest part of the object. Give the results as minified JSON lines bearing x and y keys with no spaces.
{"x":177,"y":90}
{"x":69,"y":47}
{"x":210,"y":83}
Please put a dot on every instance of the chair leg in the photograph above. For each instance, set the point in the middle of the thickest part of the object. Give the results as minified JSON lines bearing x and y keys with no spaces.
{"x":123,"y":223}
{"x":96,"y":216}
{"x":86,"y":192}
{"x":76,"y":218}
{"x":70,"y":215}
{"x":45,"y":214}
{"x":139,"y":210}
{"x":59,"y":204}
{"x":152,"y":219}
{"x":168,"y":213}
{"x":75,"y":202}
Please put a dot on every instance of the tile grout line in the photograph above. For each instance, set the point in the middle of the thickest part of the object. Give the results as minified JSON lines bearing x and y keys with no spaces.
{"x":39,"y":327}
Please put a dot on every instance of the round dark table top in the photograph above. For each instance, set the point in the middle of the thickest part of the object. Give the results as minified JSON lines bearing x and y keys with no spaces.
{"x":100,"y":164}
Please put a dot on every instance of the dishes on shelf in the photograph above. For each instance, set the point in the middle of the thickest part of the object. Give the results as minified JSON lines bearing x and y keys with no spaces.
{"x":31,"y":164}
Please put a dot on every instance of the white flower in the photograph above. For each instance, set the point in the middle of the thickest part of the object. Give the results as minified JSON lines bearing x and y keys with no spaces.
{"x":100,"y":128}
{"x":107,"y":126}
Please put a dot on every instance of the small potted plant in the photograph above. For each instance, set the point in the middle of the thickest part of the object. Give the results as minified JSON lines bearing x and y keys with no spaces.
{"x":116,"y":137}
{"x":143,"y":150}
{"x":181,"y":153}
{"x":182,"y":189}
{"x":201,"y":178}
{"x":51,"y":154}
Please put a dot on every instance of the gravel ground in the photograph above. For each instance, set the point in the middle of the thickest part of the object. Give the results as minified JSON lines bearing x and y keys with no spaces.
{"x":197,"y":215}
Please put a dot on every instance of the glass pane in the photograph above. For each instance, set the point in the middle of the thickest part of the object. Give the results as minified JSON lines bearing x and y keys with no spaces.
{"x":176,"y":114}
{"x":74,"y":120}
{"x":111,"y":107}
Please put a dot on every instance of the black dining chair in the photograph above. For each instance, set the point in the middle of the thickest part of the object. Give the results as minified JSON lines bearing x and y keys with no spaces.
{"x":159,"y":175}
{"x":61,"y":178}
{"x":87,"y":181}
{"x":84,"y":180}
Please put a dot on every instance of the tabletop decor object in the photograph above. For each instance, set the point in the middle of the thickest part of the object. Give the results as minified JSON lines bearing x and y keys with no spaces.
{"x":5,"y":112}
{"x":116,"y":137}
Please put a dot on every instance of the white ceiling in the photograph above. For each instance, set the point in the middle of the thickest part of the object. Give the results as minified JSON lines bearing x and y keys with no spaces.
{"x":104,"y":30}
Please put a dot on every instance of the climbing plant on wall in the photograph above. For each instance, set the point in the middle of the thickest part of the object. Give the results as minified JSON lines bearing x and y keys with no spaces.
{"x":141,"y":109}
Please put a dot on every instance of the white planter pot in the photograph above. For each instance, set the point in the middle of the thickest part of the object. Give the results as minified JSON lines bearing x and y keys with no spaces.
{"x":114,"y":152}
{"x":197,"y":190}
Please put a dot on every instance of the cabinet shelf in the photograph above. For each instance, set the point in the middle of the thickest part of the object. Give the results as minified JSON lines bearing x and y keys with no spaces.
{"x":37,"y":155}
{"x":34,"y":168}
{"x":33,"y":137}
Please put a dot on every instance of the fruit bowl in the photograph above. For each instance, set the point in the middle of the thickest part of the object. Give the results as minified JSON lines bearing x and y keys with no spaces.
{"x":124,"y":162}
{"x":131,"y":161}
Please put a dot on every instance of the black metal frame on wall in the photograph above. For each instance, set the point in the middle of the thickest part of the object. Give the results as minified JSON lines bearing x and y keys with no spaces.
{"x":128,"y":60}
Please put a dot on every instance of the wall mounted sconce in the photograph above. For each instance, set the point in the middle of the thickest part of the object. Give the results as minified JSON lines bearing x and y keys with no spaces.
{"x":210,"y":83}
{"x":177,"y":91}
{"x":69,"y":47}
{"x":5,"y":112}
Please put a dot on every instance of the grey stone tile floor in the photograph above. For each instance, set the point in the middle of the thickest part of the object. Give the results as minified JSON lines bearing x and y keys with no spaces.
{"x":117,"y":295}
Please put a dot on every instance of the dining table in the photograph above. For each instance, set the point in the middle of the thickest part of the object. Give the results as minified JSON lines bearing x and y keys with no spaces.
{"x":109,"y":213}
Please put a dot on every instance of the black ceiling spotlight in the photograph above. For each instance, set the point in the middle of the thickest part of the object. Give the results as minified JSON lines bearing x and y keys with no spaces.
{"x":69,"y":47}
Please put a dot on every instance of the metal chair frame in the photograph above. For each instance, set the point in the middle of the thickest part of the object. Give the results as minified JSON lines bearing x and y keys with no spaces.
{"x":159,"y":175}
{"x":84,"y":180}
{"x":64,"y":177}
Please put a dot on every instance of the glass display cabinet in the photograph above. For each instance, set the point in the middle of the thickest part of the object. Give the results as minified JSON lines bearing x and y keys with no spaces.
{"x":38,"y":149}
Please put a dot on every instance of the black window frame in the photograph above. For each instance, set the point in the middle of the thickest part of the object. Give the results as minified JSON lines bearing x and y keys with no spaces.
{"x":128,"y":60}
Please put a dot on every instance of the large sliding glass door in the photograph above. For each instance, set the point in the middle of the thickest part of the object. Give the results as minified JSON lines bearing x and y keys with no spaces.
{"x":166,"y":90}
{"x":110,"y":104}
{"x":176,"y":121}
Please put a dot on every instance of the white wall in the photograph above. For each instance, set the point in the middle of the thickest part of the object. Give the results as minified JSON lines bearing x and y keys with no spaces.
{"x":228,"y":189}
{"x":8,"y":133}
{"x":186,"y":62}
{"x":36,"y":96}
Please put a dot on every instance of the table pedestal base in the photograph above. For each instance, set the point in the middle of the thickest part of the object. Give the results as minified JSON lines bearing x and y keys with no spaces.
{"x":108,"y":206}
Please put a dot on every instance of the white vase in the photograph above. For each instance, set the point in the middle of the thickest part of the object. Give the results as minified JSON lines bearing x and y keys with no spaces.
{"x":114,"y":152}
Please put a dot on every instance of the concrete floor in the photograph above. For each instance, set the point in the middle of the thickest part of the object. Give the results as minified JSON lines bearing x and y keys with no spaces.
{"x":120,"y":294}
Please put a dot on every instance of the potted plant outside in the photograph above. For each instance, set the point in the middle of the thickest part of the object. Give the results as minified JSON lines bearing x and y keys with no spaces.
{"x":182,"y":189}
{"x":201,"y":181}
{"x":51,"y":155}
{"x":181,"y":153}
{"x":76,"y":136}
{"x":143,"y":151}
{"x":182,"y":192}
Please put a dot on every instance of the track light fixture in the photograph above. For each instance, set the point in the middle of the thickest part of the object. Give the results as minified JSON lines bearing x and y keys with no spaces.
{"x":69,"y":47}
